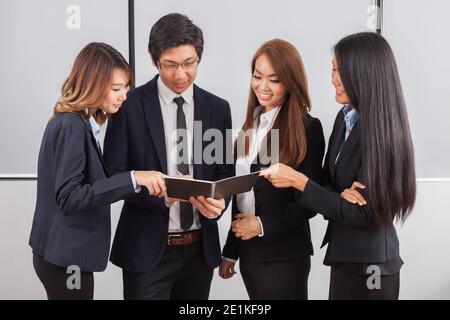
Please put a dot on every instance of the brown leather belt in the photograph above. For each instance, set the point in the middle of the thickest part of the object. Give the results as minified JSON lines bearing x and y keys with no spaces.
{"x":183,"y":238}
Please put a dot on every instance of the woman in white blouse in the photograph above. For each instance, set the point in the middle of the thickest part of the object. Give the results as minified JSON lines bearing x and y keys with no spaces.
{"x":270,"y":231}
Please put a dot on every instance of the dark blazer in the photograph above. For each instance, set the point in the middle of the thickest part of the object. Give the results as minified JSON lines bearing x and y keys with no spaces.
{"x":72,"y":223}
{"x":352,"y":234}
{"x":286,"y":227}
{"x":135,"y":139}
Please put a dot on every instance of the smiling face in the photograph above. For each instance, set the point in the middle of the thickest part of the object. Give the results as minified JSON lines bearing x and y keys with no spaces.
{"x":341,"y":96}
{"x":178,"y":78}
{"x":266,"y":86}
{"x":117,"y":92}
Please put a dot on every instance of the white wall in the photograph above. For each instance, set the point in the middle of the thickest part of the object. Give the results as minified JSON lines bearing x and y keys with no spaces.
{"x":424,"y":240}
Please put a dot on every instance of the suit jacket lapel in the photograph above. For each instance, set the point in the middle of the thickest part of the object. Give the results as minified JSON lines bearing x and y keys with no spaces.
{"x":335,"y":146}
{"x":352,"y":139}
{"x":201,"y":113}
{"x":97,"y":148}
{"x":153,"y":115}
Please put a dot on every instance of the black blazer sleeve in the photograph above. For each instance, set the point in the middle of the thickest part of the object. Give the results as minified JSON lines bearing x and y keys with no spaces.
{"x":325,"y":199}
{"x":293,"y":215}
{"x":73,"y":194}
{"x":333,"y":207}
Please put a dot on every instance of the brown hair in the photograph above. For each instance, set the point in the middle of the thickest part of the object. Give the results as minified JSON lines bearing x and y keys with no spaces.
{"x":90,"y":79}
{"x":288,"y":66}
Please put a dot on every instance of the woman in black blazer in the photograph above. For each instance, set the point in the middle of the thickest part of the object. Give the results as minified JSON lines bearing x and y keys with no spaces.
{"x":270,"y":234}
{"x":368,"y":176}
{"x":71,"y":230}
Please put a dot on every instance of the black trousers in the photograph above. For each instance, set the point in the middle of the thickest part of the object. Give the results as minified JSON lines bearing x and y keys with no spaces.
{"x":182,"y":274}
{"x":353,"y":286}
{"x":55,"y":281}
{"x":286,"y":280}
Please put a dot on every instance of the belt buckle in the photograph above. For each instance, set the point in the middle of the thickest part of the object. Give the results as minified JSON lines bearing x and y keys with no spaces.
{"x":175,"y":235}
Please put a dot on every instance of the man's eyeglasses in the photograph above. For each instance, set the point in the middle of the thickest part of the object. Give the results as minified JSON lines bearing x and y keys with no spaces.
{"x":172,"y":66}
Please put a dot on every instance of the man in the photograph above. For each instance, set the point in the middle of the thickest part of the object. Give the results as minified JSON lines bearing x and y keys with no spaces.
{"x":168,"y":249}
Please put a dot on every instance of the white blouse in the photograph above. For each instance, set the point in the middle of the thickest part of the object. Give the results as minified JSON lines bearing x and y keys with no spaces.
{"x":246,"y":201}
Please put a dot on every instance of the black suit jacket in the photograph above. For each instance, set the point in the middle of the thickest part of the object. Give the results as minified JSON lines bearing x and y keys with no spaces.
{"x":135,"y":139}
{"x":72,"y":223}
{"x":352,"y":234}
{"x":285,"y":222}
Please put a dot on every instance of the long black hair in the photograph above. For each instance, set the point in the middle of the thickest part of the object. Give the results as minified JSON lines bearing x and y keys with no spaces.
{"x":370,"y":77}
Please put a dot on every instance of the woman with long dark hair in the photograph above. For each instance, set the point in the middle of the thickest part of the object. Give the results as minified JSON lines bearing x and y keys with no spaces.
{"x":368,"y":178}
{"x":270,"y":234}
{"x":71,"y":231}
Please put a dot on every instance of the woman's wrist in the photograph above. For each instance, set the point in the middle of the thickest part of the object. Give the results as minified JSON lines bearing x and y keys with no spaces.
{"x":300,"y":181}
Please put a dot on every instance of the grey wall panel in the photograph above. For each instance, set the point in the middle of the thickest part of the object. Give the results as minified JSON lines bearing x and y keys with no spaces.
{"x":40,"y":40}
{"x":424,"y":242}
{"x":418,"y":33}
{"x":17,"y":277}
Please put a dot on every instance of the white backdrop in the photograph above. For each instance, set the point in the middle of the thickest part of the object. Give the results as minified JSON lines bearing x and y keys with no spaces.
{"x":233,"y":30}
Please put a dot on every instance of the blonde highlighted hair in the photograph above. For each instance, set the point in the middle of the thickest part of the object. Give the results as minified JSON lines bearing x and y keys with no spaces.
{"x":90,"y":79}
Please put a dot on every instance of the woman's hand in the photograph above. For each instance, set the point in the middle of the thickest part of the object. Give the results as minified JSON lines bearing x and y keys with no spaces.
{"x":153,"y":181}
{"x":246,"y":226}
{"x":353,"y":196}
{"x":283,"y":176}
{"x":226,"y":269}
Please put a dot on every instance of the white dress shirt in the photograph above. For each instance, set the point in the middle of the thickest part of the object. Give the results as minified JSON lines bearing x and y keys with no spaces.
{"x":169,"y":115}
{"x":246,"y":201}
{"x":95,"y":127}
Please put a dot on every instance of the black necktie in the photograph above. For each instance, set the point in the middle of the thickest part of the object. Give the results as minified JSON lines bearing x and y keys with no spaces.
{"x":186,"y":213}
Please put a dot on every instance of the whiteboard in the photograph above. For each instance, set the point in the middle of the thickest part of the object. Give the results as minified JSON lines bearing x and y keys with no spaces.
{"x":418,"y":33}
{"x":233,"y":30}
{"x":40,"y":40}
